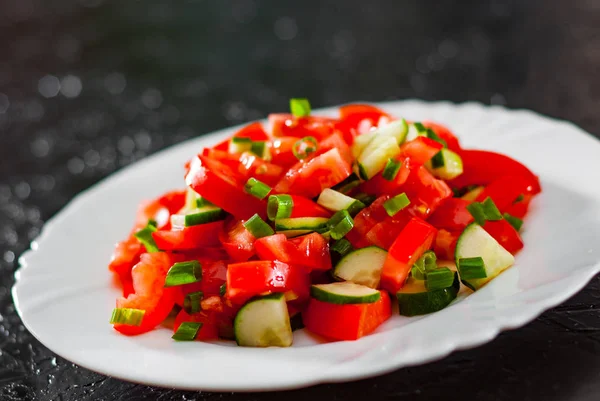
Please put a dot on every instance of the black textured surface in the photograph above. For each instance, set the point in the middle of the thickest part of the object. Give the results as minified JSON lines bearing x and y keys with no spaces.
{"x":88,"y":86}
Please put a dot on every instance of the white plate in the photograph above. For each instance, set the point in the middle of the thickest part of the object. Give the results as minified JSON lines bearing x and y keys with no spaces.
{"x":64,"y":295}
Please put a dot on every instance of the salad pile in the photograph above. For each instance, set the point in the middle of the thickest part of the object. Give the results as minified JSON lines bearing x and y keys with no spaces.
{"x":320,"y":223}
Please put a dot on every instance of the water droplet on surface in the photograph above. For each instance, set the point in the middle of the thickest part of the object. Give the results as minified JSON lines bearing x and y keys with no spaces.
{"x":70,"y":86}
{"x":9,"y":257}
{"x":285,"y":28}
{"x":49,"y":86}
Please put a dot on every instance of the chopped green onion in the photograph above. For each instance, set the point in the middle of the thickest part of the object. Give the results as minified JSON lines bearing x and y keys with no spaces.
{"x":417,"y":274}
{"x":128,"y":316}
{"x":222,"y":289}
{"x":439,"y":278}
{"x":187,"y":331}
{"x":342,"y":247}
{"x":257,"y":188}
{"x":145,"y":236}
{"x":491,"y":211}
{"x":304,"y":147}
{"x":257,"y":227}
{"x":437,"y":160}
{"x":427,"y":262}
{"x":152,"y":222}
{"x":191,"y":303}
{"x":300,"y":107}
{"x":390,"y":171}
{"x":432,"y":135}
{"x":201,"y":202}
{"x":183,"y":273}
{"x":340,"y":224}
{"x":365,"y":198}
{"x":258,"y":148}
{"x":516,"y":222}
{"x":204,"y":216}
{"x":519,"y":198}
{"x":471,"y":268}
{"x":280,"y":207}
{"x":362,"y":172}
{"x":420,"y":127}
{"x":476,"y":210}
{"x":395,"y":204}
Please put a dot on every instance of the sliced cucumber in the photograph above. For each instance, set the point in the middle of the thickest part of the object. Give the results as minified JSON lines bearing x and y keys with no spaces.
{"x":351,"y":182}
{"x":362,"y":266}
{"x":415,"y":130}
{"x":397,"y":129}
{"x":446,"y":164}
{"x":264,"y":322}
{"x":376,"y":154}
{"x":344,"y":293}
{"x":473,"y":194}
{"x":293,"y":233}
{"x":203,"y":215}
{"x":361,"y":142}
{"x":239,"y":145}
{"x":476,"y":242}
{"x":318,"y":224}
{"x":414,"y":299}
{"x":336,"y":201}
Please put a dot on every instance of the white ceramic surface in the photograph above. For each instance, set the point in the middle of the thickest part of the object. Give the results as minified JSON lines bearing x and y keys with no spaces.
{"x":64,"y":295}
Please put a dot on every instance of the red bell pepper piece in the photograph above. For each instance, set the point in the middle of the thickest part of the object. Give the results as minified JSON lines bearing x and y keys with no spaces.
{"x":445,"y":244}
{"x":505,"y":234}
{"x":505,"y":190}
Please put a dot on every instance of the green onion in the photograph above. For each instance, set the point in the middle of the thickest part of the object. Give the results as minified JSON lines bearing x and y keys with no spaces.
{"x":439,"y":278}
{"x":257,"y":188}
{"x":417,"y":274}
{"x":222,"y":289}
{"x":280,"y":207}
{"x":128,"y":316}
{"x":516,"y":222}
{"x":476,"y":210}
{"x":145,"y":237}
{"x":437,"y":160}
{"x":304,"y":147}
{"x":201,"y":202}
{"x":519,"y":198}
{"x":432,"y":135}
{"x":340,"y":224}
{"x":187,"y":331}
{"x":204,"y":216}
{"x":241,"y":140}
{"x":390,"y":171}
{"x":342,"y":247}
{"x":471,"y":268}
{"x":300,"y":107}
{"x":257,"y":227}
{"x":395,"y":204}
{"x":427,"y":262}
{"x":420,"y":127}
{"x":259,"y":148}
{"x":183,"y":273}
{"x":191,"y":303}
{"x":365,"y":198}
{"x":491,"y":211}
{"x":362,"y":172}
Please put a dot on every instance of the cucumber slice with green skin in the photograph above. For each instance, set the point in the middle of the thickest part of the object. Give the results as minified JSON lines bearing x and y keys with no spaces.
{"x":473,"y":194}
{"x":239,"y":145}
{"x":415,"y":130}
{"x":207,"y":214}
{"x":318,"y":224}
{"x":397,"y":129}
{"x":414,"y":299}
{"x":336,"y":201}
{"x":293,"y":233}
{"x":375,"y":156}
{"x":344,"y":293}
{"x":351,"y":182}
{"x":362,"y":266}
{"x":476,"y":242}
{"x":452,"y":165}
{"x":263,"y":322}
{"x":361,"y":142}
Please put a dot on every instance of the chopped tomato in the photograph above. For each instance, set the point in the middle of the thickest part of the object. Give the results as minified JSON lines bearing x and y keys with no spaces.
{"x":150,"y":294}
{"x":159,"y":210}
{"x":505,"y":234}
{"x":253,"y":166}
{"x":309,"y":178}
{"x":421,"y":149}
{"x":505,"y":191}
{"x":126,"y":255}
{"x":202,"y":235}
{"x":445,"y":244}
{"x":346,"y":322}
{"x":237,"y":241}
{"x":254,"y":131}
{"x":357,"y":119}
{"x":299,"y":127}
{"x":220,"y":185}
{"x":385,"y":232}
{"x":213,"y":303}
{"x":214,"y":275}
{"x":413,"y":241}
{"x":365,"y":220}
{"x":310,"y":251}
{"x":304,"y":207}
{"x":445,"y":134}
{"x":482,"y":167}
{"x":336,"y":141}
{"x":425,"y":192}
{"x":519,"y":208}
{"x":208,"y":331}
{"x":248,"y":279}
{"x":282,"y":152}
{"x":452,"y":214}
{"x":380,"y":186}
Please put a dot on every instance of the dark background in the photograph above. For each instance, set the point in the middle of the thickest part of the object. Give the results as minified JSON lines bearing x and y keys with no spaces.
{"x":89,"y":86}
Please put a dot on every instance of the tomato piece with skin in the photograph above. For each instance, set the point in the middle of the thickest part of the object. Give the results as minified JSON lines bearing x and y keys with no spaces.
{"x":254,"y":131}
{"x":309,"y":178}
{"x":159,"y":210}
{"x":223,"y":187}
{"x":209,"y":330}
{"x":311,"y":250}
{"x":214,"y":275}
{"x":380,"y":186}
{"x":452,"y":215}
{"x":421,"y":149}
{"x":365,"y":220}
{"x":282,"y":151}
{"x":445,"y":244}
{"x":202,"y":235}
{"x":425,"y":192}
{"x":125,"y":255}
{"x":299,"y":127}
{"x":346,"y":322}
{"x":237,"y":241}
{"x":150,"y":294}
{"x":505,"y":234}
{"x":336,"y":141}
{"x":247,"y":165}
{"x":304,"y":207}
{"x":416,"y":238}
{"x":445,"y":134}
{"x":385,"y":232}
{"x":483,"y":167}
{"x":505,"y":190}
{"x":248,"y":279}
{"x":357,"y":119}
